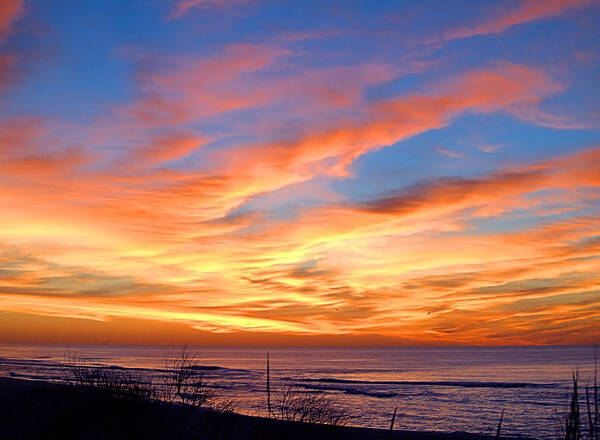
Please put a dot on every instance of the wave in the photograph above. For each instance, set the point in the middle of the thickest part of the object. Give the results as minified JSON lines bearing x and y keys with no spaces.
{"x":378,"y":394}
{"x":44,"y":378}
{"x":56,"y":366}
{"x":443,"y":383}
{"x":206,"y":367}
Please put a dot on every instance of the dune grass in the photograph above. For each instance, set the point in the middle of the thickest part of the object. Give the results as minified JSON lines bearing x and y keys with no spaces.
{"x":180,"y":381}
{"x":576,"y":425}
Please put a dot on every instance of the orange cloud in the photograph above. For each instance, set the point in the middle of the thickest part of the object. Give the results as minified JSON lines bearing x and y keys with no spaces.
{"x":124,"y":234}
{"x":150,"y":198}
{"x":507,"y":87}
{"x":436,"y":205}
{"x":168,"y":148}
{"x":372,"y":265}
{"x":21,"y":134}
{"x":44,"y":165}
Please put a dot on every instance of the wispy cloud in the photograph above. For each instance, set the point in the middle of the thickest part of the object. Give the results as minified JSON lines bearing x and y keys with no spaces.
{"x":490,"y":148}
{"x":449,"y":153}
{"x":184,"y":6}
{"x":503,"y":18}
{"x":10,"y":11}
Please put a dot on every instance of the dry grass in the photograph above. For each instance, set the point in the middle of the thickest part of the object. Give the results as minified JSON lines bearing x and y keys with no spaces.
{"x":182,"y":380}
{"x":309,"y":406}
{"x":574,"y":428}
{"x":591,"y":398}
{"x":123,"y":384}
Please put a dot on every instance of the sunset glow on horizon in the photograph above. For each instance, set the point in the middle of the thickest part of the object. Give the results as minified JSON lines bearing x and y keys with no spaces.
{"x":311,"y":173}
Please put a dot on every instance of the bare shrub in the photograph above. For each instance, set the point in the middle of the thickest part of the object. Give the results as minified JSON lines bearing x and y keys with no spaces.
{"x":309,"y":406}
{"x":182,"y":379}
{"x":222,"y":405}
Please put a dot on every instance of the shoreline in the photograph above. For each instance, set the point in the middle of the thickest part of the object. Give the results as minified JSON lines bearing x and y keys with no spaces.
{"x":47,"y":408}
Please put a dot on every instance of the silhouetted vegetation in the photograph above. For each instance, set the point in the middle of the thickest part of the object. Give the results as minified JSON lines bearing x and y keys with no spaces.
{"x":309,"y":406}
{"x":119,"y":383}
{"x":182,"y":381}
{"x":592,"y":407}
{"x":573,"y":423}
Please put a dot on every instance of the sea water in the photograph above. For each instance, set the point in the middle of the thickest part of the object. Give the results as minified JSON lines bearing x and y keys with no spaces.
{"x":441,"y":389}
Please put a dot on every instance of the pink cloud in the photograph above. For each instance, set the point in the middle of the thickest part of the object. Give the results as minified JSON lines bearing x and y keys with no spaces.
{"x":10,"y":10}
{"x":449,"y":153}
{"x":331,"y":149}
{"x":490,"y":148}
{"x":184,"y":6}
{"x":167,"y":147}
{"x":193,"y":88}
{"x":7,"y":65}
{"x":528,"y":10}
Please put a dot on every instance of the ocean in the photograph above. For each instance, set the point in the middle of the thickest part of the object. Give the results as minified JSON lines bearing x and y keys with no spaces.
{"x":442,"y":389}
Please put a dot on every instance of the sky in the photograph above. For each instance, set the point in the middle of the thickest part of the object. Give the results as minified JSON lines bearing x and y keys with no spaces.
{"x":277,"y":172}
